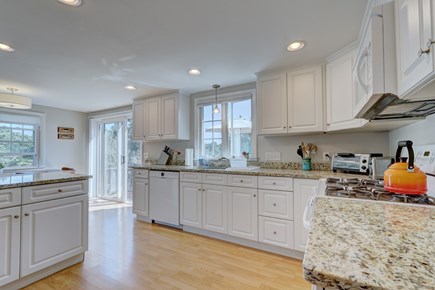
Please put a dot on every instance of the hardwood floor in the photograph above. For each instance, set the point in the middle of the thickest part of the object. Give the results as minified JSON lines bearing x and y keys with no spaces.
{"x":128,"y":254}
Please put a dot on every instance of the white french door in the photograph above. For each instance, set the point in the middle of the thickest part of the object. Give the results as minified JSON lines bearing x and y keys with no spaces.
{"x":111,"y":165}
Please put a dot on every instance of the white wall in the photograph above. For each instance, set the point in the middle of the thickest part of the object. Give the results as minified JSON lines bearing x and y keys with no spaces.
{"x":421,"y":133}
{"x":59,"y":153}
{"x":333,"y":143}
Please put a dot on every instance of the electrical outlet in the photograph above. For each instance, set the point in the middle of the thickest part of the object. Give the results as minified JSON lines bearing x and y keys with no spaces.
{"x":273,"y":156}
{"x":325,"y":157}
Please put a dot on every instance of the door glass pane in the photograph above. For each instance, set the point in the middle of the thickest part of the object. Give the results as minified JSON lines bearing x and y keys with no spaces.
{"x":112,"y":167}
{"x":134,"y":153}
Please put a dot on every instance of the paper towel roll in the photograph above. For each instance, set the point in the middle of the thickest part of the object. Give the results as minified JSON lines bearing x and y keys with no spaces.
{"x":188,"y":157}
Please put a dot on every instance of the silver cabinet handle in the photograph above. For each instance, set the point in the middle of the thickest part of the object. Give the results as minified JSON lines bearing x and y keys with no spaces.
{"x":16,"y":216}
{"x":146,"y":183}
{"x":255,"y":195}
{"x":27,"y":214}
{"x":284,"y":127}
{"x":59,"y":190}
{"x":241,"y":180}
{"x":274,"y":204}
{"x":274,"y":183}
{"x":274,"y":232}
{"x":428,"y":47}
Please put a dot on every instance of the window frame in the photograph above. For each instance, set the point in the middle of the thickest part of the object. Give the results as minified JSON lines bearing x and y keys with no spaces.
{"x":39,"y":132}
{"x":222,"y":99}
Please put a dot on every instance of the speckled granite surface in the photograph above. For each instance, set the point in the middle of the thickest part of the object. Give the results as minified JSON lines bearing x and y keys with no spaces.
{"x":29,"y":179}
{"x":313,"y":174}
{"x":357,"y":244}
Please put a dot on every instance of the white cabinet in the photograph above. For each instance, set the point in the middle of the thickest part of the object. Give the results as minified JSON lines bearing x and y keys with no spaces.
{"x":272,"y":103}
{"x":415,"y":29}
{"x":191,"y":204}
{"x":339,"y":94}
{"x":140,"y":196}
{"x":242,"y":212}
{"x":274,"y":203}
{"x":305,"y":100}
{"x":304,"y":190}
{"x":276,"y":232}
{"x":9,"y":244}
{"x":291,"y":102}
{"x":165,"y":117}
{"x":138,"y":120}
{"x":53,"y":231}
{"x":215,"y":208}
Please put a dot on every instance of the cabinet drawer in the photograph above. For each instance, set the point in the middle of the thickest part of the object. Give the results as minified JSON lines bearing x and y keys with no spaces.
{"x":44,"y":192}
{"x":276,"y":232}
{"x":278,"y":204}
{"x":213,"y":178}
{"x":10,"y":197}
{"x":140,"y":173}
{"x":275,"y":183}
{"x":194,"y":177}
{"x":243,"y":181}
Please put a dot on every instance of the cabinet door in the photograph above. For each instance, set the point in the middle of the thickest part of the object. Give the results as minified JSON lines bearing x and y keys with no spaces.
{"x":53,"y":231}
{"x":140,"y":196}
{"x":304,"y":190}
{"x":169,"y":117}
{"x":242,"y":212}
{"x":305,"y":100}
{"x":9,"y":244}
{"x":414,"y":28}
{"x":152,"y":118}
{"x":215,"y":208}
{"x":191,"y":204}
{"x":138,"y":120}
{"x":339,"y":94}
{"x":272,"y":104}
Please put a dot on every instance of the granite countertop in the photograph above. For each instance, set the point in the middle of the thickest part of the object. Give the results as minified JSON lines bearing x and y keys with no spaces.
{"x":356,"y":244}
{"x":313,"y":174}
{"x":9,"y":180}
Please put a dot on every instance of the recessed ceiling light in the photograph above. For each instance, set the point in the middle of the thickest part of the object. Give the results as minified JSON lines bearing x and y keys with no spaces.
{"x":295,"y":45}
{"x":130,"y":87}
{"x":71,"y":2}
{"x":6,"y":47}
{"x":194,"y":71}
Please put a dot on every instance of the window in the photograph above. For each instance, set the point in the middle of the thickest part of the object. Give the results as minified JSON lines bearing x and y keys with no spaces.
{"x":229,"y":132}
{"x":18,"y":144}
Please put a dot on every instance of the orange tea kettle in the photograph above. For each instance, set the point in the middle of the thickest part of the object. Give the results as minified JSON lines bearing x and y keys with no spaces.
{"x":402,"y":177}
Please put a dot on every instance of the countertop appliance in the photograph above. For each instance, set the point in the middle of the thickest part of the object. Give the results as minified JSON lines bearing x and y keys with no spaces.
{"x":378,"y":165}
{"x":352,"y":163}
{"x":165,"y":197}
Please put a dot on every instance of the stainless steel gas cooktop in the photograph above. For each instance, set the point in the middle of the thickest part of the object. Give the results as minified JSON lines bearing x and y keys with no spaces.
{"x":371,"y":189}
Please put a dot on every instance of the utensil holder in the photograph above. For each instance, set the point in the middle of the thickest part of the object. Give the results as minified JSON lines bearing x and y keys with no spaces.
{"x":306,"y":164}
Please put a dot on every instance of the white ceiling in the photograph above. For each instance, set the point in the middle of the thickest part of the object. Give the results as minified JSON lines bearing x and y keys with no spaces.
{"x":81,"y":58}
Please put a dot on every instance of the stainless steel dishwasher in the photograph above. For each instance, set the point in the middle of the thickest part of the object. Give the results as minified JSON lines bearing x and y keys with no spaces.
{"x":165,"y":197}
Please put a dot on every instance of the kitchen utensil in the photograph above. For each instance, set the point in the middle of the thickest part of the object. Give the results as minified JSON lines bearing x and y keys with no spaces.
{"x":299,"y":151}
{"x":403,"y":177}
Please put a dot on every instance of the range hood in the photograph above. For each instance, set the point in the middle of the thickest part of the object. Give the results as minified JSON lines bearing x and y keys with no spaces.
{"x":390,"y":107}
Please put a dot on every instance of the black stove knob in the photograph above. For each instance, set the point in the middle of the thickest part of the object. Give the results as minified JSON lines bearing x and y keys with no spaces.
{"x":364,"y":161}
{"x":363,"y":167}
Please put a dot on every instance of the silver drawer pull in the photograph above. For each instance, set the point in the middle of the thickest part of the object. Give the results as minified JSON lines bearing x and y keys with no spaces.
{"x":59,"y":190}
{"x":16,"y":216}
{"x":274,"y":232}
{"x":274,"y":183}
{"x":27,"y":214}
{"x":241,"y":180}
{"x":274,"y":204}
{"x":255,"y":195}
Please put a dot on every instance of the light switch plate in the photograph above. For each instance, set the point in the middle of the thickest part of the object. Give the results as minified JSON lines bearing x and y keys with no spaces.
{"x":273,"y":156}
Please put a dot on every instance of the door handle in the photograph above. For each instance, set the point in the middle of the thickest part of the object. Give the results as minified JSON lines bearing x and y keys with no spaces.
{"x":122,"y":159}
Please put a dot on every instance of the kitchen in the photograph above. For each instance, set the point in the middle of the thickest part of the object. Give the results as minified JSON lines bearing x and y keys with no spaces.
{"x":268,"y":94}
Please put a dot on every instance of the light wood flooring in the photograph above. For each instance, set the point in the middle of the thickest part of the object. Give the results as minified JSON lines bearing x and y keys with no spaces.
{"x":128,"y":254}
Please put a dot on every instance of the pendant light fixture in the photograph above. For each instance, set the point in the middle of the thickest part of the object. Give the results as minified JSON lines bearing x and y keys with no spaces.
{"x":216,"y":108}
{"x":10,"y":100}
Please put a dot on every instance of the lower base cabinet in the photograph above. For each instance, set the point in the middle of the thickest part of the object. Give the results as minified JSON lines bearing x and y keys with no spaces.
{"x":140,"y":196}
{"x":243,"y":213}
{"x":52,"y":232}
{"x":276,"y":232}
{"x":215,"y":208}
{"x":191,"y":204}
{"x":9,"y":244}
{"x":304,"y":190}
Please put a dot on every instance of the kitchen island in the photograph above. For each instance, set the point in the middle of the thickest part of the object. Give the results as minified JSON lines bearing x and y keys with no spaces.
{"x":357,"y":244}
{"x":43,"y":225}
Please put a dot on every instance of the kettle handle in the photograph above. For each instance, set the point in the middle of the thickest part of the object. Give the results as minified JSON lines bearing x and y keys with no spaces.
{"x":408,"y":145}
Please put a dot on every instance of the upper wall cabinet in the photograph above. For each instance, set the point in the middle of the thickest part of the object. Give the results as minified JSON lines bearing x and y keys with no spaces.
{"x":415,"y":35}
{"x":339,"y":94}
{"x":290,"y":102}
{"x":166,"y":117}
